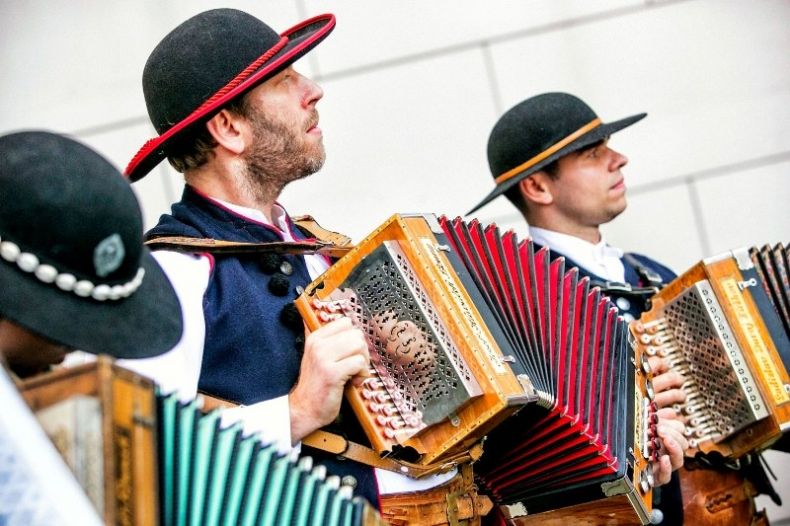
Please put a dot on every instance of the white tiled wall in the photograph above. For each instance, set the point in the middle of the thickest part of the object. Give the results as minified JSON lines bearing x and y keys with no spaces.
{"x":413,"y":88}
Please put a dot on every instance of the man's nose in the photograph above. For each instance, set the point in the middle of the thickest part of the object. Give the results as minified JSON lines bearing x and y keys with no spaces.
{"x":312,"y":94}
{"x":618,"y":159}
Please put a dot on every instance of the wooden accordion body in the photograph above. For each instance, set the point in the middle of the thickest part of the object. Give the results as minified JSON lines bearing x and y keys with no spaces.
{"x":145,"y":459}
{"x":473,"y":334}
{"x":435,"y":394}
{"x":717,"y":325}
{"x":114,"y":435}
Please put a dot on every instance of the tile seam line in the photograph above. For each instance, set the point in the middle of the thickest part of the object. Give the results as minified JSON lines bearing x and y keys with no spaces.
{"x":542,"y":29}
{"x":686,"y":179}
{"x":712,"y":172}
{"x":433,"y":53}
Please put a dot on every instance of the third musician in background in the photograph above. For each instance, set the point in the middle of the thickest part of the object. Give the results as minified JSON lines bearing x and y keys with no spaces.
{"x":550,"y":156}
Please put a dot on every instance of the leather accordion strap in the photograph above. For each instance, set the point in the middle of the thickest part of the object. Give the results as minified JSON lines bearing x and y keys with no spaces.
{"x":326,"y":242}
{"x":309,"y":225}
{"x":218,"y":246}
{"x":339,"y":445}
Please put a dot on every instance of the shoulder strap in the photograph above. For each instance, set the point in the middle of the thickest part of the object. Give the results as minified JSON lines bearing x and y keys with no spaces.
{"x":623,"y":289}
{"x":309,"y":226}
{"x":647,"y":275}
{"x":217,"y":246}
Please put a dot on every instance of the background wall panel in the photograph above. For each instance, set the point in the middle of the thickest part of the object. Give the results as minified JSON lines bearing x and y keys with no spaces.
{"x":413,"y":89}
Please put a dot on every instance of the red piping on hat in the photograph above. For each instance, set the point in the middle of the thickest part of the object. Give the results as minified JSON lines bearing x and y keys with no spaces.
{"x":249,"y":70}
{"x":227,"y":92}
{"x":235,"y":81}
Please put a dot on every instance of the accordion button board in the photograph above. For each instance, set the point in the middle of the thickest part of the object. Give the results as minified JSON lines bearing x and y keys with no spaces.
{"x":722,"y":326}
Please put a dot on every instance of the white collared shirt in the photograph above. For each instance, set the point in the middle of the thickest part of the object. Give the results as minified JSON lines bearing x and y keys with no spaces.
{"x":316,"y":265}
{"x":599,"y":258}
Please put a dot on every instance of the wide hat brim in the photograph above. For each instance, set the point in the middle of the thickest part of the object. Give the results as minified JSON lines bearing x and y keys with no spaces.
{"x":301,"y":38}
{"x":591,"y":137}
{"x":145,"y":324}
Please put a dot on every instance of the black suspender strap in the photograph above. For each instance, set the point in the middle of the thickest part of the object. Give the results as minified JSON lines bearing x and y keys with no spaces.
{"x":647,"y":275}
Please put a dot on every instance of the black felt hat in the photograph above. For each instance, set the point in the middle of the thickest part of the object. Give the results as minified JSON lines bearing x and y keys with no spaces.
{"x":208,"y":61}
{"x":72,"y":263}
{"x":537,"y":132}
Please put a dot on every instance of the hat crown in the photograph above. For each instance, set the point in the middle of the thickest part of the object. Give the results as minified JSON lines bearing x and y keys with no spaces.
{"x":197,"y":59}
{"x":67,"y":206}
{"x":532,"y":126}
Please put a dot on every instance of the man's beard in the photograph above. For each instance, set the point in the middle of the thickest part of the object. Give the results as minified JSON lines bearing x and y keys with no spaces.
{"x":278,"y":156}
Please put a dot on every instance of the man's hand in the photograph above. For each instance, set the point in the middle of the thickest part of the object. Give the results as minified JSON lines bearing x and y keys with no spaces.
{"x":333,"y":355}
{"x":673,"y":443}
{"x":666,"y":384}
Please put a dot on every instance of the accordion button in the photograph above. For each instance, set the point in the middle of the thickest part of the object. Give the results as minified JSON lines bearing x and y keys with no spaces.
{"x":286,"y":267}
{"x":651,"y":394}
{"x":623,"y":303}
{"x":645,"y":365}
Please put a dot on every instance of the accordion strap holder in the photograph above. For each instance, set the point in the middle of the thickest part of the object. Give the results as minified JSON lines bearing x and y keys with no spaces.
{"x":341,"y":446}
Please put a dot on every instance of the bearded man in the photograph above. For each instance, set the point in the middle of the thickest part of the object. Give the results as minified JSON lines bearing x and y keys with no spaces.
{"x":241,"y":123}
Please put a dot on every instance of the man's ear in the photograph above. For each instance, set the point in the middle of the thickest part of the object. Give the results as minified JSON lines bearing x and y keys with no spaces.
{"x":230,"y":130}
{"x":535,"y":189}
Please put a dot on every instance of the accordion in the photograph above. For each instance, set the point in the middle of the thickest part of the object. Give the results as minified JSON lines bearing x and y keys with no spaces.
{"x":724,"y":325}
{"x":476,"y":334}
{"x":146,"y":459}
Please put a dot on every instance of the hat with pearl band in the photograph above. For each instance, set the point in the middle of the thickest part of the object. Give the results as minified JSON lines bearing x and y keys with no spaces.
{"x":73,"y":268}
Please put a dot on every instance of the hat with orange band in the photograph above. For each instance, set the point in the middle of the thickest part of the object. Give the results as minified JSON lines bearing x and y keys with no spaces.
{"x":537,"y":132}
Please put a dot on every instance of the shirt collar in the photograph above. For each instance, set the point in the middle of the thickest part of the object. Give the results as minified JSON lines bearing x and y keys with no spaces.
{"x":568,"y":244}
{"x":599,"y":258}
{"x":279,"y":215}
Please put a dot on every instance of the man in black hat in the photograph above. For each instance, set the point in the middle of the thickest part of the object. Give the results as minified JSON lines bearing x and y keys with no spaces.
{"x":550,"y":156}
{"x":241,"y":123}
{"x":73,"y":270}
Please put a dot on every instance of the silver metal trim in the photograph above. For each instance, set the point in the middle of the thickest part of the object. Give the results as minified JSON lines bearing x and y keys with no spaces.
{"x":733,"y":352}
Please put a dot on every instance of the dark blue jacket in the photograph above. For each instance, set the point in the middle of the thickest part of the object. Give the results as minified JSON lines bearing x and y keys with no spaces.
{"x":630,"y":305}
{"x":251,"y":351}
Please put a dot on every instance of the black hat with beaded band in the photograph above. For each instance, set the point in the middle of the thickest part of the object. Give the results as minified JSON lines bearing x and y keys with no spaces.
{"x":207,"y":62}
{"x":73,"y":268}
{"x":537,"y":132}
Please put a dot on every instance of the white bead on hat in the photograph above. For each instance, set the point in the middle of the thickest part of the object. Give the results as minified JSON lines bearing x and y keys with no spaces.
{"x":68,"y":282}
